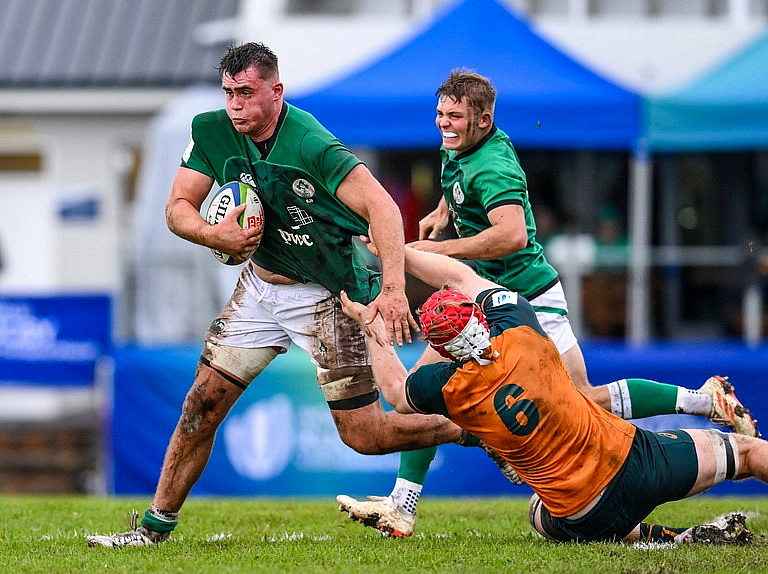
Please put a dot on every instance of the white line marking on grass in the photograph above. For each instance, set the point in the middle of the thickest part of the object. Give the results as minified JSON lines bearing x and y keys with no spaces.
{"x":297,"y":536}
{"x":654,"y":545}
{"x":218,"y":537}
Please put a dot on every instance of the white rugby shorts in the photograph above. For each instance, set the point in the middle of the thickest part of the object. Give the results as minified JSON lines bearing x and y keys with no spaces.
{"x":261,"y":314}
{"x":552,"y":313}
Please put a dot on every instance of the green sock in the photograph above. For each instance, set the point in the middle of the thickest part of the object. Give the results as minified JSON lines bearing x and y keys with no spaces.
{"x":414,"y":464}
{"x":155,"y":520}
{"x":639,"y":398}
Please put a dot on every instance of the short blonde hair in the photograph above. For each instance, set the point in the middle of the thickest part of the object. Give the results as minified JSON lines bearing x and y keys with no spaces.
{"x":464,"y":85}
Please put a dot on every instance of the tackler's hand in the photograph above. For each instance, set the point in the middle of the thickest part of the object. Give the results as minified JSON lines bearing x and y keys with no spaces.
{"x":359,"y":312}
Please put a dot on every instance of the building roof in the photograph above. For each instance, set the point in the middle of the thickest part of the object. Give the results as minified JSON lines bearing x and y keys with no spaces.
{"x":108,"y":43}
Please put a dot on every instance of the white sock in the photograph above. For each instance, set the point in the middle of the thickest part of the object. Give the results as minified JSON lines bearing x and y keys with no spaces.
{"x":406,"y":495}
{"x":621,"y":404}
{"x":692,"y":402}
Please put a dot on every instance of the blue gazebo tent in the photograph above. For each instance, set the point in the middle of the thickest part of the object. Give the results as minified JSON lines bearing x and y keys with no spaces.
{"x":726,"y":109}
{"x":546,"y":99}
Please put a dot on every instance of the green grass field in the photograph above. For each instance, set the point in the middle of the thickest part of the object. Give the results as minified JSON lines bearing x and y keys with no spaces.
{"x":45,"y":534}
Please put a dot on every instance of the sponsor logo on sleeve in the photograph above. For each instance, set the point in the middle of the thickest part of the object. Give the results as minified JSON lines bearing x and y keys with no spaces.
{"x":503,"y":298}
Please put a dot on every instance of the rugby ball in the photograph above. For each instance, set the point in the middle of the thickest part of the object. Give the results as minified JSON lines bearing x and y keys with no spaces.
{"x":226,"y":199}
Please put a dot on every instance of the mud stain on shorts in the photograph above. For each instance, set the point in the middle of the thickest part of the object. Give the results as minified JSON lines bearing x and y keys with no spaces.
{"x":338,"y":340}
{"x":236,"y":301}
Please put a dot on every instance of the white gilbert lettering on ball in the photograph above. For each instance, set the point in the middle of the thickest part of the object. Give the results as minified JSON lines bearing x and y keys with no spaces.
{"x":503,"y":298}
{"x":296,"y":238}
{"x":221,"y":210}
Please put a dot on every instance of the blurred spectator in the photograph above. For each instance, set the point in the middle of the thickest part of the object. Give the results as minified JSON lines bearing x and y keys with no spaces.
{"x":549,"y":224}
{"x":605,"y":287}
{"x":610,"y":238}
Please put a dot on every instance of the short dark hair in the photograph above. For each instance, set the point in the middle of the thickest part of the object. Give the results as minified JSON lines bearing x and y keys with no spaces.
{"x":240,"y":57}
{"x":464,"y":85}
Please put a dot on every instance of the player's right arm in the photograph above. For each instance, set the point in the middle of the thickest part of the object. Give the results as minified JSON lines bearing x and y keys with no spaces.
{"x":435,"y":222}
{"x":440,"y":271}
{"x":507,"y":234}
{"x":388,"y":371}
{"x":435,"y":270}
{"x":182,"y":215}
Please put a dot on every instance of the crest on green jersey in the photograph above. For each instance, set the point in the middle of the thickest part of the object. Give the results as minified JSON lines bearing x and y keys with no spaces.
{"x":458,"y":193}
{"x":303,"y":188}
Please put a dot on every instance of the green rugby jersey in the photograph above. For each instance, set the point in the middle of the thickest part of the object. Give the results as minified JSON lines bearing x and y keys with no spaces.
{"x":473,"y":183}
{"x":308,"y":232}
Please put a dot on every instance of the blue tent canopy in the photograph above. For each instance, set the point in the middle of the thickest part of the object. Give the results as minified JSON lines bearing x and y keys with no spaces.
{"x":725,"y":109}
{"x":545,"y":98}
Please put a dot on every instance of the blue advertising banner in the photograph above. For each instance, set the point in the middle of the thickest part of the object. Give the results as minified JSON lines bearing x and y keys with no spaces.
{"x":53,"y":340}
{"x":280,"y":440}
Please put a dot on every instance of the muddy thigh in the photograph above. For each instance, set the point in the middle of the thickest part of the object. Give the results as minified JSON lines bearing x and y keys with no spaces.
{"x":338,"y":341}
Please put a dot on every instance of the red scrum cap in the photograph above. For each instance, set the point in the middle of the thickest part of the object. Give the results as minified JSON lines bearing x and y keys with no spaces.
{"x":454,"y":325}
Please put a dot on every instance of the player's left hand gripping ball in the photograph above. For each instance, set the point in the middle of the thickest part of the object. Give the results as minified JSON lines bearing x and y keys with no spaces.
{"x":226,"y":199}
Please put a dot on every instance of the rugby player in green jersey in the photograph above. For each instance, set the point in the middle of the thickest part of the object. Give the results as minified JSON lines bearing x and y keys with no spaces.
{"x":485,"y":196}
{"x":318,"y":198}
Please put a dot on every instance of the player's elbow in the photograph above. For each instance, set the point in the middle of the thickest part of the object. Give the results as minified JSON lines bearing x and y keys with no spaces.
{"x":169,"y":216}
{"x":395,"y":398}
{"x":402,"y":406}
{"x":511,"y":244}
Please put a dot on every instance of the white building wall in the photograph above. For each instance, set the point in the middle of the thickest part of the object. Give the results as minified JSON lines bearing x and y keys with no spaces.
{"x":28,"y":230}
{"x":44,"y":251}
{"x":87,"y":166}
{"x":649,"y":46}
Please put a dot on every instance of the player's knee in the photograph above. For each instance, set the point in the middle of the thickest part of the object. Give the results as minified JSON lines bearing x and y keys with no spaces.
{"x":752,"y":455}
{"x":365,"y":431}
{"x":363,"y":442}
{"x":725,"y":447}
{"x":349,"y":392}
{"x":207,"y":403}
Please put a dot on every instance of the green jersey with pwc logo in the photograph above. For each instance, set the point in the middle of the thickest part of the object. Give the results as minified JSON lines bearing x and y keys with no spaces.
{"x":308,"y":233}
